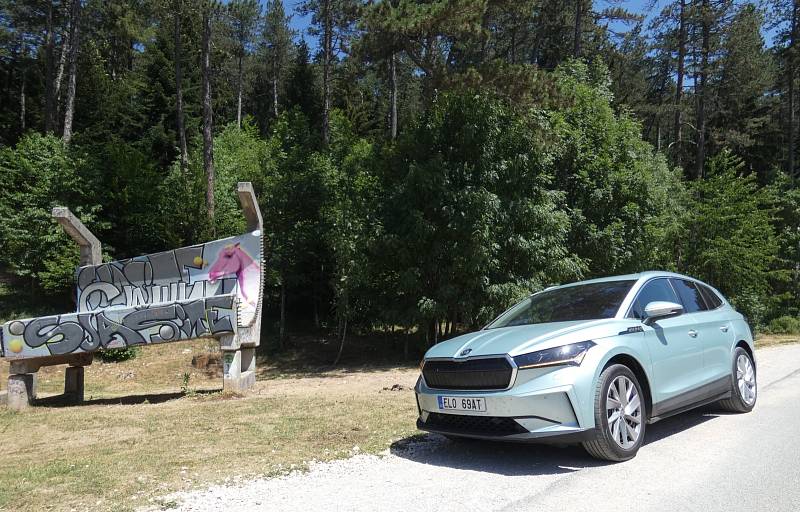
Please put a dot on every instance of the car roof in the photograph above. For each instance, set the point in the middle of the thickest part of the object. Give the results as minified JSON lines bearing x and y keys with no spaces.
{"x":626,"y":277}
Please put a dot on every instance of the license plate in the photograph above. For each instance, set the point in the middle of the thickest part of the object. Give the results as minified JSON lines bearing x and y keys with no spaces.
{"x":461,"y":403}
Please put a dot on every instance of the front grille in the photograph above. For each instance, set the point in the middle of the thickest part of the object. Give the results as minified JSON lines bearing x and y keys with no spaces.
{"x":491,"y":373}
{"x":476,"y":425}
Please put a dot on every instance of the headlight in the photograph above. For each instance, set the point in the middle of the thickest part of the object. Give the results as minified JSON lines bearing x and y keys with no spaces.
{"x":571,"y":355}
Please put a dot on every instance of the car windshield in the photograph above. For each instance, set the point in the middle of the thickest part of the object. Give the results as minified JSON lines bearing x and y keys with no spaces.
{"x":589,"y":301}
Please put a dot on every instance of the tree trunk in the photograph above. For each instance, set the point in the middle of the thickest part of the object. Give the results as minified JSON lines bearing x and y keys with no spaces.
{"x":327,"y":57}
{"x":239,"y":93}
{"x":275,"y":93}
{"x":393,"y":107}
{"x":790,"y":68}
{"x":701,"y":98}
{"x":49,"y":95}
{"x":74,"y":42}
{"x":282,"y":323}
{"x":208,"y":118}
{"x":343,"y":330}
{"x":679,"y":78}
{"x":576,"y":43}
{"x":22,"y":105}
{"x":513,"y":49}
{"x":62,"y":63}
{"x":179,"y":87}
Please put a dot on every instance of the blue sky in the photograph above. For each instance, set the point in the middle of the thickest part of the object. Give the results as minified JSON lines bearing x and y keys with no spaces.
{"x":649,"y":8}
{"x":300,"y":23}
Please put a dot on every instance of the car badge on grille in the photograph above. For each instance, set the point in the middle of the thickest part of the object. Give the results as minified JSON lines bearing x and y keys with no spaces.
{"x":465,"y":352}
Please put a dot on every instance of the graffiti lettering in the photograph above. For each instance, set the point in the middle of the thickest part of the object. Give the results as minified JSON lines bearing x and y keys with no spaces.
{"x":157,"y":298}
{"x":125,"y":327}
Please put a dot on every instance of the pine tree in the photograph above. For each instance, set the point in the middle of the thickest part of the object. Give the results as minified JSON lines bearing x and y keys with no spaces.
{"x":244,"y":17}
{"x":741,"y":117}
{"x":277,"y":45}
{"x":333,"y":22}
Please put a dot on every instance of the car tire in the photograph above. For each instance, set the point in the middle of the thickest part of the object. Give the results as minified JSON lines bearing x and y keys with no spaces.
{"x":611,"y":443}
{"x":744,"y":388}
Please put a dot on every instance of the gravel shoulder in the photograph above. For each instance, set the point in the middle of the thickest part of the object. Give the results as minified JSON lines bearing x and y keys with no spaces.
{"x":701,"y":460}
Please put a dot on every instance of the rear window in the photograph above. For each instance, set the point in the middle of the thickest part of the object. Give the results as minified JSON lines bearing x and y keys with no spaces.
{"x":712,"y":299}
{"x":690,"y":295}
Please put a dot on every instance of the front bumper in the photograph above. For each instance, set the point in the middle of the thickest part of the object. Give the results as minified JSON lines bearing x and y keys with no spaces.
{"x":542,"y":405}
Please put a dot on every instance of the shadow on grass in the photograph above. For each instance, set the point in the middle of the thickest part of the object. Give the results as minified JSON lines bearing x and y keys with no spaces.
{"x":528,"y":459}
{"x":313,"y":356}
{"x":150,"y":398}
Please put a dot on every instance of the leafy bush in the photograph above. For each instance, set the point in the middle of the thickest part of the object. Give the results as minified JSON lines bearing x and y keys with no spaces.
{"x":784,"y":325}
{"x":117,"y":355}
{"x":38,"y":174}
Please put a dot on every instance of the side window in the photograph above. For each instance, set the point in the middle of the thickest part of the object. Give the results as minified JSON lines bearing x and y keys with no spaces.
{"x":712,"y":299}
{"x":658,"y":289}
{"x":690,"y":296}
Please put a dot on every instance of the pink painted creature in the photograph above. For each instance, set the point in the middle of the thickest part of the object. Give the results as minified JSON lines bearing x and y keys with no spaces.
{"x":233,"y":260}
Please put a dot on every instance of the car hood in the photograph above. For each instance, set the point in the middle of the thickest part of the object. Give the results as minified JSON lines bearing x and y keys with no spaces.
{"x":521,"y":339}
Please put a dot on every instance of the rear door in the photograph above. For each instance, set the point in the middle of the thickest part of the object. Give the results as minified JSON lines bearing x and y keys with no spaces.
{"x":717,"y":347}
{"x":677,"y":357}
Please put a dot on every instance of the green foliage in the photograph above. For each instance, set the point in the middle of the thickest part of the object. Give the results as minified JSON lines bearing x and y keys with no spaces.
{"x":784,"y":325}
{"x":622,"y":196}
{"x":728,"y":238}
{"x":38,"y":174}
{"x":786,"y":285}
{"x":239,"y":155}
{"x":118,"y":355}
{"x":516,"y":165}
{"x":470,"y":214}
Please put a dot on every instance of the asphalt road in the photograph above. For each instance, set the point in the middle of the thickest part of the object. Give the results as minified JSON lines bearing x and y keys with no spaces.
{"x":698,"y":461}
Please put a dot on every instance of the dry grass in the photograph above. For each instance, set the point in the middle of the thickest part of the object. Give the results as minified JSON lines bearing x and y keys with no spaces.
{"x":768,"y":340}
{"x":138,"y":436}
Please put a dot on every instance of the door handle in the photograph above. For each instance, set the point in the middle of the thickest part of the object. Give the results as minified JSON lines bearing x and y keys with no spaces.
{"x":693,"y":333}
{"x":724,"y":328}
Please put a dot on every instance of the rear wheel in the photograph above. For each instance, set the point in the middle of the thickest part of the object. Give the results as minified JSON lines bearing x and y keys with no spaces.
{"x":619,"y":415}
{"x":744,"y":389}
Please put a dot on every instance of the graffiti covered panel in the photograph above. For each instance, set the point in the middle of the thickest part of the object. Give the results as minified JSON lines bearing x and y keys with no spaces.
{"x":230,"y":265}
{"x":118,"y":327}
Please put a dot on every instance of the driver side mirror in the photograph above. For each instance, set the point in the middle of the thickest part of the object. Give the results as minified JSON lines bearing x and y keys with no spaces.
{"x":659,"y":310}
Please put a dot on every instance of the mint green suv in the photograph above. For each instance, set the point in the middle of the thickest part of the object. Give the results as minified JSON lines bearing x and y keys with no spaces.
{"x":592,"y":362}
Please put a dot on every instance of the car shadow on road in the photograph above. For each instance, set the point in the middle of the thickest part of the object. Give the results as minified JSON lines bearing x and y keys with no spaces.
{"x":678,"y":423}
{"x":524,"y":459}
{"x":508,"y":459}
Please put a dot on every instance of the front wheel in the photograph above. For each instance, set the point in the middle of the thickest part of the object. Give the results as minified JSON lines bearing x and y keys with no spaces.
{"x":619,"y":415}
{"x":744,"y":389}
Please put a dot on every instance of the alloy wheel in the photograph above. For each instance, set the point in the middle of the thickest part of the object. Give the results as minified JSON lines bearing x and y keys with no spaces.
{"x":746,"y":379}
{"x":624,"y":412}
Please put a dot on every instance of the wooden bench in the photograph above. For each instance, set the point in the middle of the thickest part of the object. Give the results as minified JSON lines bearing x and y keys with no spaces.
{"x":206,"y":290}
